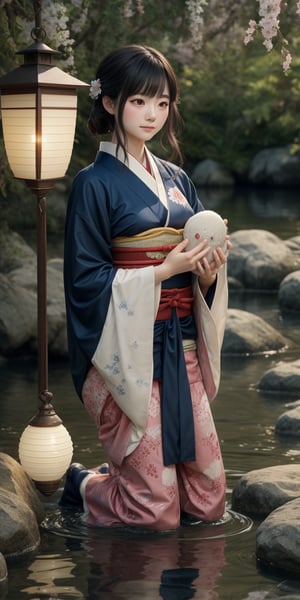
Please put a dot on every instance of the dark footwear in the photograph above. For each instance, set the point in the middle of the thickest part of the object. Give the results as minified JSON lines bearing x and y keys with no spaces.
{"x":187,"y":519}
{"x":104,"y":468}
{"x":71,"y":498}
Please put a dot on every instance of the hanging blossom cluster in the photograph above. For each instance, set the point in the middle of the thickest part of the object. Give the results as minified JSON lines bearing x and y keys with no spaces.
{"x":269,"y":27}
{"x":195,"y":10}
{"x":55,"y":21}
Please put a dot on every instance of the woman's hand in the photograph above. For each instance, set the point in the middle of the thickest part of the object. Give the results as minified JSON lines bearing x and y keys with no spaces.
{"x":181,"y":261}
{"x":207,"y":271}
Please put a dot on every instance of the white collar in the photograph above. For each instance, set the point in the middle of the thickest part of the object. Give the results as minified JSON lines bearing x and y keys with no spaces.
{"x":153,"y":181}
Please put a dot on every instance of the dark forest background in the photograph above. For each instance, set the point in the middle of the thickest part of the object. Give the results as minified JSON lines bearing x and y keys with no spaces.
{"x":235,"y":100}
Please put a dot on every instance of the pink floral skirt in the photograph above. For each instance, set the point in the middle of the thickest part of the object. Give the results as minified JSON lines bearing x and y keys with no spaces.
{"x":140,"y":490}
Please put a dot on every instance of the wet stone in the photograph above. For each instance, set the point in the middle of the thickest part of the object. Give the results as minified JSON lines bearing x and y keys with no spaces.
{"x":277,"y":539}
{"x":261,"y":491}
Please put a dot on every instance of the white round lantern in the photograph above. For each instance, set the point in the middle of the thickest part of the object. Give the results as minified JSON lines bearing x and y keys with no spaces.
{"x":209,"y":225}
{"x":45,"y":450}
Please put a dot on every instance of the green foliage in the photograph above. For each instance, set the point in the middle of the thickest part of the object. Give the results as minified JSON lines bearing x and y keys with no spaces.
{"x":237,"y":104}
{"x":235,"y":100}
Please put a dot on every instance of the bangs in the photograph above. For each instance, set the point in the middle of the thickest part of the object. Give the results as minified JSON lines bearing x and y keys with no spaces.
{"x":150,"y":79}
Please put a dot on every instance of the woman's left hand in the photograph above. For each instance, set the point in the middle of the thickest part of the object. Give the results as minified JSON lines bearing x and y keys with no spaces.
{"x":208,"y":270}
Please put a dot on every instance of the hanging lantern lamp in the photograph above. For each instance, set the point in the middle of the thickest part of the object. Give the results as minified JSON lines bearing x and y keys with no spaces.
{"x":38,"y":107}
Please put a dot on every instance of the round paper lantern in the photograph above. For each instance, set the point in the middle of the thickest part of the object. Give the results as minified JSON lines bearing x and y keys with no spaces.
{"x":209,"y":225}
{"x":45,"y":454}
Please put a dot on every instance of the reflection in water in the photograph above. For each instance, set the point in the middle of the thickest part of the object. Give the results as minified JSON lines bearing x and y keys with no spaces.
{"x":157,"y":568}
{"x":126,"y":567}
{"x":125,"y":562}
{"x":150,"y":566}
{"x":50,"y":577}
{"x":275,"y":204}
{"x":178,"y":583}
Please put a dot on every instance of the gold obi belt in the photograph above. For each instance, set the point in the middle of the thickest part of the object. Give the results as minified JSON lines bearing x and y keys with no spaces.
{"x":151,"y":248}
{"x":147,"y":248}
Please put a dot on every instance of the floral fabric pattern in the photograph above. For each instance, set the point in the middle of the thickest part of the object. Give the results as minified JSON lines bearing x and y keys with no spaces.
{"x":175,"y":195}
{"x":142,"y":491}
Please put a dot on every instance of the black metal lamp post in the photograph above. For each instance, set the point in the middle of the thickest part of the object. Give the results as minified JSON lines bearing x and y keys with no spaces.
{"x":39,"y":106}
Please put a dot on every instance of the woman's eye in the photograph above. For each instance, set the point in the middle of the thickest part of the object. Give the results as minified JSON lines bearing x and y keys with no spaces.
{"x":138,"y":101}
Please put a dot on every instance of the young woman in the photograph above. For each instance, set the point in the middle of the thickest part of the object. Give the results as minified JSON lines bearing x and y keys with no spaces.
{"x":145,"y":317}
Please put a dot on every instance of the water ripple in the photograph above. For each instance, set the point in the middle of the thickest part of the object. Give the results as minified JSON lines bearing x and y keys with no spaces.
{"x":232,"y":523}
{"x":69,"y":524}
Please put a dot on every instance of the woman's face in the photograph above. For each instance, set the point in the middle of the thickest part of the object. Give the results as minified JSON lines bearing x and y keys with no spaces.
{"x":144,"y":116}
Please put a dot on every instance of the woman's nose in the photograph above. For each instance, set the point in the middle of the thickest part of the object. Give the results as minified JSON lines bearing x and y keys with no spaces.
{"x":150,"y":113}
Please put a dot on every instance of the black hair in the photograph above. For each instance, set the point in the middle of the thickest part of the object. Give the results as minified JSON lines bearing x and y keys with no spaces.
{"x":134,"y":70}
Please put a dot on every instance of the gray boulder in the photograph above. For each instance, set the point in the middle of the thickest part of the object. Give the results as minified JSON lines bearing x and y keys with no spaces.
{"x":261,"y":491}
{"x":210,"y":172}
{"x":14,"y":479}
{"x":18,"y":300}
{"x":3,"y":577}
{"x":17,"y":316}
{"x":3,"y":570}
{"x":14,"y":252}
{"x":288,"y":424}
{"x":19,"y":529}
{"x":289,"y":292}
{"x":260,"y":260}
{"x":283,"y":378}
{"x":277,"y":539}
{"x":293,"y":244}
{"x":21,"y":510}
{"x":275,"y":167}
{"x":246,"y":333}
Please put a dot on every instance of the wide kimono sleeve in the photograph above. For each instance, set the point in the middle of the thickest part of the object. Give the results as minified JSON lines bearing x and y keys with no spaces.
{"x":110,"y":312}
{"x":210,"y":322}
{"x":88,"y":272}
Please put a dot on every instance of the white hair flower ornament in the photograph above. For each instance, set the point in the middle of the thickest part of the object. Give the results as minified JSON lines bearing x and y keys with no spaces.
{"x":95,"y":89}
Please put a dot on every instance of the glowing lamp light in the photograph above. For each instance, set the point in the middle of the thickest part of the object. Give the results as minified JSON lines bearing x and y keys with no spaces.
{"x":38,"y":107}
{"x":23,"y":144}
{"x":45,"y":449}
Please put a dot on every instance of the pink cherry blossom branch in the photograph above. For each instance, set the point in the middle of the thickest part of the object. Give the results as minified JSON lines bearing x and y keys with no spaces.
{"x":269,"y":27}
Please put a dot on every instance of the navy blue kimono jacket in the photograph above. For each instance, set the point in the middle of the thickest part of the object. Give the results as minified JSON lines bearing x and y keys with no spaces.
{"x":108,"y":200}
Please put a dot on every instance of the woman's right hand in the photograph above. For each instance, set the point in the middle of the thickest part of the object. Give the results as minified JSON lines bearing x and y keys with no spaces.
{"x":180,"y":261}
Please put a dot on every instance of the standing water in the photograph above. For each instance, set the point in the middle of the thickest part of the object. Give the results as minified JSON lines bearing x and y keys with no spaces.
{"x":207,"y":562}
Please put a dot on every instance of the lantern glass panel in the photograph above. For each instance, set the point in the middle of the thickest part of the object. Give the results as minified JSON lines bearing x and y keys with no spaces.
{"x":18,"y":124}
{"x":44,"y":153}
{"x":58,"y":127}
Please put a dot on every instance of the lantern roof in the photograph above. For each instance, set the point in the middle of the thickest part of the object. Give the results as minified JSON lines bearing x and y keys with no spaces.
{"x":38,"y":70}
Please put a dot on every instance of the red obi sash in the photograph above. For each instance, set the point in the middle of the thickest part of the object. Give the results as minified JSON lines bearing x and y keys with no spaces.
{"x":124,"y":257}
{"x":180,"y":298}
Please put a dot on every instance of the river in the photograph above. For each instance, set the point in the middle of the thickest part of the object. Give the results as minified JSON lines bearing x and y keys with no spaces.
{"x":203,"y":562}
